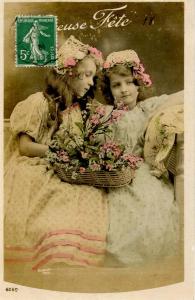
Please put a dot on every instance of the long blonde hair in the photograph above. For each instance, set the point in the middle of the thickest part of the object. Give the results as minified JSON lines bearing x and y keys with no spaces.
{"x":58,"y":86}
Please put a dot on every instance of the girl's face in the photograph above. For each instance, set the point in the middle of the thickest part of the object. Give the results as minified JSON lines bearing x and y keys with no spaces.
{"x":123,"y":89}
{"x":85,"y":72}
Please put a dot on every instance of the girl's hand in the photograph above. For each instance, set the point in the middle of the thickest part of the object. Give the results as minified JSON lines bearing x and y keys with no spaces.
{"x":31,"y":149}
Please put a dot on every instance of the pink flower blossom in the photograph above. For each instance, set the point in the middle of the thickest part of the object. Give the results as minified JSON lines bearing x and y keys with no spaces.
{"x":82,"y":170}
{"x":70,"y":62}
{"x":106,"y":65}
{"x":132,"y":160}
{"x":95,"y":119}
{"x":100,"y":110}
{"x":95,"y":167}
{"x":95,"y":51}
{"x":117,"y":152}
{"x":63,"y":155}
{"x":138,"y":72}
{"x":116,"y":115}
{"x":112,"y":148}
{"x":146,"y":79}
{"x":139,"y":69}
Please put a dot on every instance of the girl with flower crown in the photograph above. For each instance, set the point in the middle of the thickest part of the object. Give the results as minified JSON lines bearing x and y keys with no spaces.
{"x":143,"y":216}
{"x":47,"y":220}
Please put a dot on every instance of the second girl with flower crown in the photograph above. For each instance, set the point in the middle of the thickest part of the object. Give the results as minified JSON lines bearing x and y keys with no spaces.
{"x":143,"y":216}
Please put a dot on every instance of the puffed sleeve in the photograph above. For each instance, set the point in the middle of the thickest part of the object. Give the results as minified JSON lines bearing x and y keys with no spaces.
{"x":150,"y":105}
{"x":30,"y":116}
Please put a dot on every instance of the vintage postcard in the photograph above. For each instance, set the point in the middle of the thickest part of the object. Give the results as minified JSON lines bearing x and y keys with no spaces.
{"x":98,"y":179}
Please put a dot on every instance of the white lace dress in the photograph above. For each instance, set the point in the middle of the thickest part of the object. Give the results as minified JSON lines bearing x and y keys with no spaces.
{"x":143,"y":216}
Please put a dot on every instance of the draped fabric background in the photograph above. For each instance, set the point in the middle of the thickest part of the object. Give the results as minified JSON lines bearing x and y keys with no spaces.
{"x":155,"y":31}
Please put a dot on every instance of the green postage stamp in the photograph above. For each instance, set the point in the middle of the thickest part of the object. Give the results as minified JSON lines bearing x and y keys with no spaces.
{"x":36,"y":41}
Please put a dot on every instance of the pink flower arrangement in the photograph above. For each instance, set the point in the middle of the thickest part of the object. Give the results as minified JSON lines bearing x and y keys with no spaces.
{"x":138,"y":72}
{"x":70,"y":62}
{"x":63,"y":156}
{"x":100,"y":110}
{"x":95,"y":51}
{"x":95,"y":151}
{"x":106,"y":65}
{"x":95,"y":119}
{"x":138,"y":68}
{"x":111,"y":147}
{"x":146,"y":79}
{"x":132,"y":160}
{"x":116,"y":115}
{"x":95,"y":167}
{"x":113,"y":157}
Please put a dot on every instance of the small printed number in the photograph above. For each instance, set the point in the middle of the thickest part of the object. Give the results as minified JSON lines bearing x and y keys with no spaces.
{"x":11,"y":289}
{"x":23,"y":54}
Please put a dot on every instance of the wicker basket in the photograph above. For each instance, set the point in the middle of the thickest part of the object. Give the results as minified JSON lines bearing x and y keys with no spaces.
{"x":97,"y":178}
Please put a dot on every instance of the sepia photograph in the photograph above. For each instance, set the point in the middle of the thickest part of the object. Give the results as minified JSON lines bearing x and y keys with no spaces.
{"x":93,"y":143}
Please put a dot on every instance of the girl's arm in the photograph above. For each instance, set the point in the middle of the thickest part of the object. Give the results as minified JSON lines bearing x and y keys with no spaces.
{"x":164,"y":104}
{"x":173,"y":99}
{"x":29,"y":148}
{"x":176,"y":98}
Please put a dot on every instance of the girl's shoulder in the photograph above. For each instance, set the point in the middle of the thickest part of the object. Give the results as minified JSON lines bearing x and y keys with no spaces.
{"x":30,"y":115}
{"x":34,"y":104}
{"x":37,"y":98}
{"x":152,"y":103}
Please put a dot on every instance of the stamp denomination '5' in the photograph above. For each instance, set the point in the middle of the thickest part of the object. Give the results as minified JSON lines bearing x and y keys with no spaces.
{"x":36,"y":41}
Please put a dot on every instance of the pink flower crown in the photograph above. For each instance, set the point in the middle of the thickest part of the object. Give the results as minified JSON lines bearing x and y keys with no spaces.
{"x":70,"y":62}
{"x":130,"y":59}
{"x":73,"y":51}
